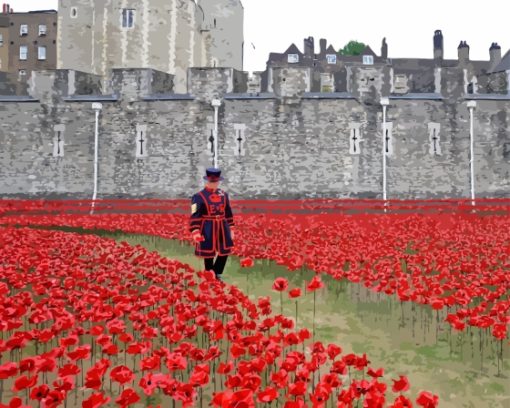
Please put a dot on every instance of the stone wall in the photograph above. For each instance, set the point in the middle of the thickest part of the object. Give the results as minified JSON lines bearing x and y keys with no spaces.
{"x":292,"y":145}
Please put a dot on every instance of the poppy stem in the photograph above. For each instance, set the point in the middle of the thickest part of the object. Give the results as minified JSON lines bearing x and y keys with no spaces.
{"x":296,"y":314}
{"x":313,"y":327}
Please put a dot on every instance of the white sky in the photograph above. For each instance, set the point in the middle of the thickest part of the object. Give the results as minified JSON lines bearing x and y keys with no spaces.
{"x":272,"y":25}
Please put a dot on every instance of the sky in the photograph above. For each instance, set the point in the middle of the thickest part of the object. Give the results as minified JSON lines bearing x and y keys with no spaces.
{"x":273,"y":25}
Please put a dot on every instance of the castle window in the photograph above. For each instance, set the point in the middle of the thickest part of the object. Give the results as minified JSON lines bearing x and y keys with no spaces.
{"x":22,"y":74}
{"x":23,"y":29}
{"x":41,"y":53}
{"x":239,"y":132}
{"x":388,"y":145}
{"x":141,"y":141}
{"x":368,"y":59}
{"x":331,"y":58}
{"x":23,"y":52}
{"x":128,"y":18}
{"x":74,"y":12}
{"x":435,"y":147}
{"x":42,"y":30}
{"x":1,"y":40}
{"x":292,"y":58}
{"x":355,"y":138}
{"x":58,"y":141}
{"x":470,"y":88}
{"x":210,"y":136}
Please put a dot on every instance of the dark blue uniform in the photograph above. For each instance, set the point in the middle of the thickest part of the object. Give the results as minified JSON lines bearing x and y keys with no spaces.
{"x":212,"y":216}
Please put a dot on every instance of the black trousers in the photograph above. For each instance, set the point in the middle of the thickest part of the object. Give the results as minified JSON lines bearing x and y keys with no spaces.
{"x":216,"y":265}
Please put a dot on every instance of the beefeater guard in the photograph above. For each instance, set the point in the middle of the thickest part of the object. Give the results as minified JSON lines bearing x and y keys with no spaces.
{"x":211,"y":223}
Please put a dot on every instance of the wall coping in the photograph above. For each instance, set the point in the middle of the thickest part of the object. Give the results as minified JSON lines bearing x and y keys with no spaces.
{"x":328,"y":95}
{"x":425,"y":95}
{"x":500,"y":97}
{"x":91,"y":98}
{"x":169,"y":97}
{"x":258,"y":95}
{"x":17,"y":98}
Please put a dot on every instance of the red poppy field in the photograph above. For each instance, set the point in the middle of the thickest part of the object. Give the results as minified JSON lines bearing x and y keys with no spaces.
{"x":90,"y":322}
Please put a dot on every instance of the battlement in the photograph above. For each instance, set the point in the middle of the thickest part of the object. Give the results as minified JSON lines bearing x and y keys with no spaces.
{"x":289,"y":84}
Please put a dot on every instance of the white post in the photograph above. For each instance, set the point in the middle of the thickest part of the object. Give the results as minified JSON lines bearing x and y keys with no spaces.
{"x":471,"y":106}
{"x":384,"y":102}
{"x":216,"y":103}
{"x":97,"y":108}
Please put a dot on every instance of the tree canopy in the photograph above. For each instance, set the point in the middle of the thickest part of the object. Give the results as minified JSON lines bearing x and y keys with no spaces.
{"x":352,"y":48}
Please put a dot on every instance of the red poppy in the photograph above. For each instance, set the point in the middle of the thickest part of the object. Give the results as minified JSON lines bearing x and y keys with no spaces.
{"x":427,"y":400}
{"x":315,"y":283}
{"x":225,"y":368}
{"x":267,"y":395}
{"x":96,"y":400}
{"x":8,"y":370}
{"x":280,"y":284}
{"x":127,"y":398}
{"x":24,"y":382}
{"x":150,"y":363}
{"x":53,"y":399}
{"x":247,"y":262}
{"x":333,"y":351}
{"x":400,"y":385}
{"x":39,"y":392}
{"x":294,"y":293}
{"x":298,"y":388}
{"x":402,"y":402}
{"x":121,"y":374}
{"x":376,"y":373}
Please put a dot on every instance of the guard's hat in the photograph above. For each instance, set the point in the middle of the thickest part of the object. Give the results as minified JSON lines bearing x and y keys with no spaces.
{"x":213,"y":174}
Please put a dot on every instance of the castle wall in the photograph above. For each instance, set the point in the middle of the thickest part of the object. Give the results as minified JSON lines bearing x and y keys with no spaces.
{"x":290,"y":147}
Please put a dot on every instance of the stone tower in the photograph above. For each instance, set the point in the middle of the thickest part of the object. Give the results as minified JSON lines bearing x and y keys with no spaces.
{"x":224,"y":20}
{"x":96,"y":36}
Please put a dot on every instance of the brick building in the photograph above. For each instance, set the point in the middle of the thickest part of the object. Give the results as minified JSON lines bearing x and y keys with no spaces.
{"x":32,"y":42}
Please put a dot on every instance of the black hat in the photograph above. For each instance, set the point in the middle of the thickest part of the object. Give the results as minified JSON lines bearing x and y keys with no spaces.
{"x":213,"y":174}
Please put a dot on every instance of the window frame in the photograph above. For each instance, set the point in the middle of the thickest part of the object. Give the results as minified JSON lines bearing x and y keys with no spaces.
{"x":124,"y":18}
{"x":22,"y":32}
{"x":368,"y":60}
{"x":328,"y":56}
{"x":39,"y":48}
{"x":43,"y":32}
{"x":26,"y":52}
{"x":293,"y":55}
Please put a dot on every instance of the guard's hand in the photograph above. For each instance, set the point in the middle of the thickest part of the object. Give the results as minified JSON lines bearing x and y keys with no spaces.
{"x":197,"y":237}
{"x":232,"y":235}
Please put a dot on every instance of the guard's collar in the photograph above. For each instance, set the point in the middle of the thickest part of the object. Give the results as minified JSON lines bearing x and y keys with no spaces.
{"x":212,"y":190}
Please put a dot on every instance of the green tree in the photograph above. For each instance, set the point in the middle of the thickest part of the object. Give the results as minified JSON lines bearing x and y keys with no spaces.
{"x":352,"y":48}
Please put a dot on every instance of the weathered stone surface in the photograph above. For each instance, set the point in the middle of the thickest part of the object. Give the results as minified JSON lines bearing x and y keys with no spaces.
{"x":295,"y":145}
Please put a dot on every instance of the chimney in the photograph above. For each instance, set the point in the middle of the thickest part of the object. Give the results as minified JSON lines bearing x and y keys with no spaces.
{"x":309,"y":49}
{"x":463,"y":51}
{"x":384,"y":49}
{"x":438,"y":45}
{"x":495,"y":53}
{"x":4,"y":8}
{"x":324,"y":45}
